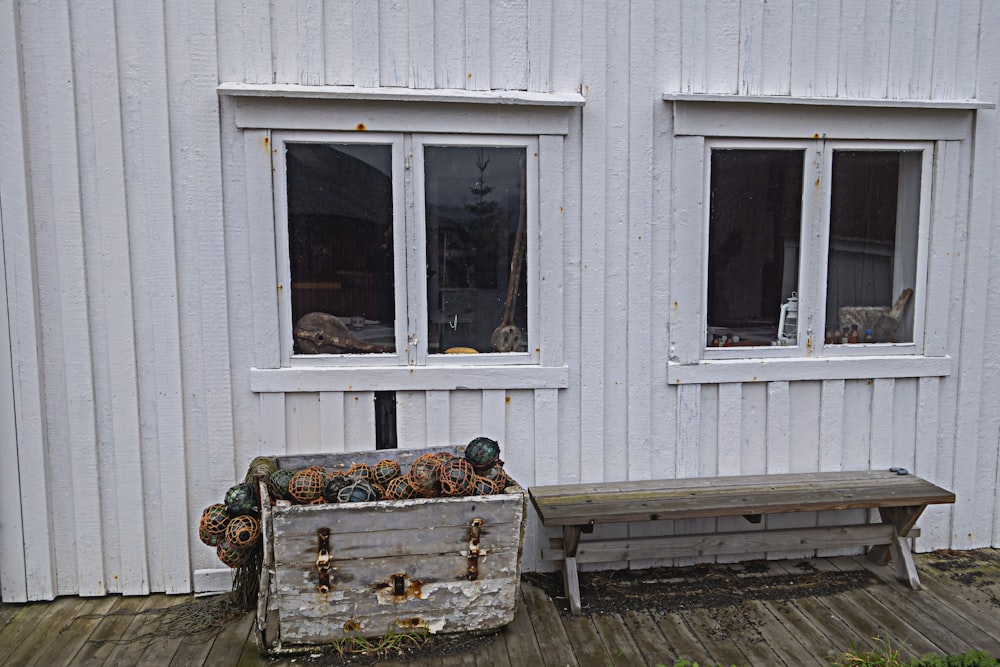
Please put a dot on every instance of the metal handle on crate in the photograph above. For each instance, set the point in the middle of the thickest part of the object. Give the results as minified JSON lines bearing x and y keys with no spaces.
{"x":323,"y":560}
{"x":475,"y":531}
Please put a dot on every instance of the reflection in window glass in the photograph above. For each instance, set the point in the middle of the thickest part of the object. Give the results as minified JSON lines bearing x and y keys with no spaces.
{"x":753,"y":243}
{"x":476,"y":216}
{"x":874,"y":214}
{"x":340,"y":247}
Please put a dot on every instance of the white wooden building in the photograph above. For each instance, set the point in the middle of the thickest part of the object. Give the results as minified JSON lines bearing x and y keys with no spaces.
{"x":150,"y":292}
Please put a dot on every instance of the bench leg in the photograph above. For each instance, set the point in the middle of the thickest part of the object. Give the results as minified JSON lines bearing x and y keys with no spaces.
{"x":902,"y":520}
{"x":571,"y":577}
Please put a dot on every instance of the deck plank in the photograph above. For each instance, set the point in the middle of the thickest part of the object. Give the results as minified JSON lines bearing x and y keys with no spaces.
{"x":955,"y":612}
{"x":113,"y":627}
{"x":519,"y":637}
{"x":936,"y":622}
{"x":51,"y":622}
{"x":682,"y":639}
{"x":553,"y":640}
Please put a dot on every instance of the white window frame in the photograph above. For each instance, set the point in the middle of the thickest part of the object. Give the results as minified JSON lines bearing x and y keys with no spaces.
{"x":814,"y":241}
{"x":944,"y":132}
{"x":541,"y":119}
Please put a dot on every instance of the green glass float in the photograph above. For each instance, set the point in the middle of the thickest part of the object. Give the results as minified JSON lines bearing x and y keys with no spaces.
{"x":482,"y":452}
{"x":243,"y":532}
{"x":358,"y":491}
{"x":361,"y":471}
{"x":399,"y":488}
{"x":425,"y":475}
{"x":496,"y":474}
{"x":241,"y":499}
{"x":481,"y":486}
{"x":307,"y":485}
{"x":277,"y":483}
{"x":458,"y":477}
{"x":385,"y":470}
{"x":230,"y":555}
{"x":333,"y":486}
{"x":212,"y":526}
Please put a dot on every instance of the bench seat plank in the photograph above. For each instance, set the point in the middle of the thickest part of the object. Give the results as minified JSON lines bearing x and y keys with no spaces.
{"x":614,"y":502}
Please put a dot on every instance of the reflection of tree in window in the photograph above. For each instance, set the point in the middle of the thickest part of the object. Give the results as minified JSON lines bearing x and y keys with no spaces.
{"x":472,"y":205}
{"x":340,"y":233}
{"x":753,"y":240}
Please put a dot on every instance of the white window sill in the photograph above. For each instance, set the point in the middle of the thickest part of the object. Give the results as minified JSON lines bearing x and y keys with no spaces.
{"x":716,"y":371}
{"x":412,"y":378}
{"x":884,"y":103}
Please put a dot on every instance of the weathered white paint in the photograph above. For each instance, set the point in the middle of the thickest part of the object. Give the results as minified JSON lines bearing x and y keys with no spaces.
{"x":140,"y":272}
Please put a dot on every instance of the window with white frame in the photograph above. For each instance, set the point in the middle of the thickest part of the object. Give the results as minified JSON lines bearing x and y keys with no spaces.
{"x":815,"y":243}
{"x":405,"y":247}
{"x":812,"y":238}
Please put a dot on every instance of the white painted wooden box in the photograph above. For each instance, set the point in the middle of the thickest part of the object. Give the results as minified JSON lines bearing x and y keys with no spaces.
{"x":445,"y":564}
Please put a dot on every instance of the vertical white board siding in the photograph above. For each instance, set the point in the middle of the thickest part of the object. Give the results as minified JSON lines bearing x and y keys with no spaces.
{"x":720,"y":26}
{"x":449,"y":45}
{"x":518,"y":450}
{"x":285,"y":42}
{"x":191,"y":75}
{"x":909,"y":66}
{"x":338,"y":42}
{"x":686,"y":250}
{"x":729,"y":428}
{"x":331,"y":422}
{"x":779,"y":424}
{"x":359,"y":421}
{"x":932,"y":461}
{"x":509,"y":45}
{"x":540,"y":39}
{"x":302,"y":427}
{"x":566,"y":45}
{"x":438,"y":405}
{"x":147,"y":165}
{"x":612,"y":335}
{"x":27,"y":559}
{"x":638,"y":333}
{"x":494,"y":415}
{"x":420,"y":28}
{"x":411,"y":419}
{"x":804,"y":432}
{"x":65,"y":318}
{"x":902,"y":451}
{"x":546,"y":436}
{"x":394,"y":43}
{"x":878,"y":21}
{"x":366,"y":39}
{"x":765,"y":47}
{"x":108,"y":266}
{"x":693,"y":46}
{"x":477,"y":44}
{"x":311,"y":57}
{"x":593,"y":214}
{"x":882,"y":425}
{"x":552,"y":222}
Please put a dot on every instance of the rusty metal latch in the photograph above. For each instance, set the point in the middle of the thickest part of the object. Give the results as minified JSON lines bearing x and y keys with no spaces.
{"x":475,"y":531}
{"x":323,"y":560}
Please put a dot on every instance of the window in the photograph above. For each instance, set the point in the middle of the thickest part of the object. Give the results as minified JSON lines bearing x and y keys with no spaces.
{"x":793,"y":219}
{"x":405,"y":248}
{"x":815,"y":243}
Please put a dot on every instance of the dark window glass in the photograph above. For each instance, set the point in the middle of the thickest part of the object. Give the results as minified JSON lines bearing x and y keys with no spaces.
{"x":340,"y":246}
{"x":476,"y":218}
{"x":755,"y":218}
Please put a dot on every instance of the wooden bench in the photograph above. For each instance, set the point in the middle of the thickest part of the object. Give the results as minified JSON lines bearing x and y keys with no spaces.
{"x":899,"y":497}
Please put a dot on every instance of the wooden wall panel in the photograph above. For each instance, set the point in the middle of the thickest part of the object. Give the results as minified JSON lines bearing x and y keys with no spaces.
{"x":133,"y":202}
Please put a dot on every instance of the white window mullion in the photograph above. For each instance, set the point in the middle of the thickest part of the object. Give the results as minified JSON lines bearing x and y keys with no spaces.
{"x":415,"y":242}
{"x":815,"y":268}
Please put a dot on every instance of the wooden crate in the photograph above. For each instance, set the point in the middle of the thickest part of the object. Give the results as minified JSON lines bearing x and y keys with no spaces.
{"x":444,"y":564}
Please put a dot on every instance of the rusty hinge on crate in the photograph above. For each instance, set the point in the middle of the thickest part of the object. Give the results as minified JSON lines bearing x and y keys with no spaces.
{"x":323,"y":560}
{"x":475,"y":531}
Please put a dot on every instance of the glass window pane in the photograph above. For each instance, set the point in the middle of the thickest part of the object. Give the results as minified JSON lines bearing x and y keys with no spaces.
{"x":340,"y":247}
{"x":874,"y":216}
{"x":476,"y":217}
{"x":755,"y":219}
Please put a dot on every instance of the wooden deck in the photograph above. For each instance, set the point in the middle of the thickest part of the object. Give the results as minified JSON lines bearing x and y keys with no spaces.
{"x":783,"y":615}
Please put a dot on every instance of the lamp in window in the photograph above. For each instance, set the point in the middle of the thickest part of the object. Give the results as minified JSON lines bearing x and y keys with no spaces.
{"x":788,"y":321}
